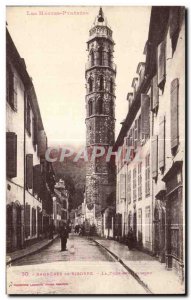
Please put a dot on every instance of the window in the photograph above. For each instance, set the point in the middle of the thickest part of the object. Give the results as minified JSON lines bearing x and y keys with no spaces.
{"x":136,"y":134}
{"x":100,"y":55}
{"x":174,"y":115}
{"x":147,"y":175}
{"x":33,"y":221}
{"x":154,"y":94}
{"x":109,"y":58}
{"x":11,"y":154}
{"x":99,"y":105}
{"x":111,"y":85}
{"x":101,"y":83}
{"x":140,"y":181}
{"x":34,"y":132}
{"x":90,"y":83}
{"x":92,"y":58}
{"x":11,"y":88}
{"x":147,"y":224}
{"x":145,"y":116}
{"x":154,"y":148}
{"x":28,"y":118}
{"x":134,"y":184}
{"x":129,"y":186}
{"x":161,"y":143}
{"x":29,"y":171}
{"x":90,"y":107}
{"x":161,"y":64}
{"x":122,"y":186}
{"x":139,"y":132}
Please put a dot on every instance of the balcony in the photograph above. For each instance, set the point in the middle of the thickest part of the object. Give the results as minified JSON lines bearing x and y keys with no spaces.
{"x":112,"y":66}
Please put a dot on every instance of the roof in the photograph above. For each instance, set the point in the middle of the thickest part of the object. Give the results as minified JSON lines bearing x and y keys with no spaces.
{"x":157,"y":27}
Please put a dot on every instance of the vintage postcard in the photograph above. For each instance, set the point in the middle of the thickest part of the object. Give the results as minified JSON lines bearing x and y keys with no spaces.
{"x":95,"y":150}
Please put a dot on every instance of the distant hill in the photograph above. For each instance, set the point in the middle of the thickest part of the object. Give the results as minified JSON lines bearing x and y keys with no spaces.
{"x":74,"y":175}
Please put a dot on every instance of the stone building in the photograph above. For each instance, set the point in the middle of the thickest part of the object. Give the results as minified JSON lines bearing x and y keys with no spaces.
{"x":29,"y":177}
{"x":150,"y":185}
{"x":60,"y":210}
{"x":100,"y":116}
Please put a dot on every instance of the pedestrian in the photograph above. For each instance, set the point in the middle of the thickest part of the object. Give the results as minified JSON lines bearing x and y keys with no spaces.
{"x":63,"y":236}
{"x":51,"y":231}
{"x":130,"y":239}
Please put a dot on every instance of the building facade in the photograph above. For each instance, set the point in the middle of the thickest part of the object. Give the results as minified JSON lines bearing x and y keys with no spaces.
{"x":60,"y":212}
{"x":100,"y":116}
{"x":26,"y":144}
{"x":150,"y":180}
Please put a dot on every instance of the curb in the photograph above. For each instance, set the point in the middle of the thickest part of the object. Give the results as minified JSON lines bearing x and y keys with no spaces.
{"x":134,"y":274}
{"x":32,"y":252}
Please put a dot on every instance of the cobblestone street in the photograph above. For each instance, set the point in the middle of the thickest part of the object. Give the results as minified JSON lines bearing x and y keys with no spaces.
{"x":80,"y":270}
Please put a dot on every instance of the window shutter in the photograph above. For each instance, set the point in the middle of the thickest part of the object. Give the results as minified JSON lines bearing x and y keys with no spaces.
{"x":11,"y":154}
{"x":161,"y":64}
{"x":154,"y":93}
{"x":129,"y":138}
{"x":162,"y":142}
{"x":42,"y":143}
{"x":37,"y":179}
{"x":174,"y":25}
{"x":15,"y":93}
{"x":154,"y":156}
{"x":136,"y":134}
{"x":29,"y":171}
{"x":139,"y":130}
{"x":35,"y":131}
{"x":145,"y":116}
{"x":174,"y":113}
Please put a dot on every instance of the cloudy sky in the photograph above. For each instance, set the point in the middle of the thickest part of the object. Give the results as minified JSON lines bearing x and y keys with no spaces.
{"x":54,"y":49}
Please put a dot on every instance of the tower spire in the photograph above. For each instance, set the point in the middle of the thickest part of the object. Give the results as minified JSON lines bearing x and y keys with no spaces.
{"x":100,"y":16}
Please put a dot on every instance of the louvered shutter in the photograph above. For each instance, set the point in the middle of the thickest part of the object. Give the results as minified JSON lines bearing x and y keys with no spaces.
{"x":145,"y":116}
{"x":15,"y":93}
{"x":154,"y":156}
{"x":37,"y":179}
{"x":161,"y":142}
{"x":174,"y":113}
{"x":42,"y":143}
{"x":139,"y":131}
{"x":154,"y":94}
{"x":35,"y":131}
{"x":136,"y":134}
{"x":11,"y":154}
{"x":161,"y":64}
{"x":29,"y":171}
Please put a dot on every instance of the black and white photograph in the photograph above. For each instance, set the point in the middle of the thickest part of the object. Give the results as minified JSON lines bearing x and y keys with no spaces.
{"x":95,"y":150}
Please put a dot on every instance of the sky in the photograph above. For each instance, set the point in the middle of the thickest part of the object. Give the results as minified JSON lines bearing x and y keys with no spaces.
{"x":54,"y":49}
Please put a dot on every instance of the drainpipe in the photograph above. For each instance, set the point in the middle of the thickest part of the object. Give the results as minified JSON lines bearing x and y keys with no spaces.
{"x":24,"y":163}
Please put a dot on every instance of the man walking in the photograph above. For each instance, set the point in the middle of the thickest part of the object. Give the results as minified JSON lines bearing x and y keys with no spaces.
{"x":63,"y":236}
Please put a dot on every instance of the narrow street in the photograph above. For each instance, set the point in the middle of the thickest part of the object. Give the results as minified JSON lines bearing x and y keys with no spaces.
{"x":82,"y":269}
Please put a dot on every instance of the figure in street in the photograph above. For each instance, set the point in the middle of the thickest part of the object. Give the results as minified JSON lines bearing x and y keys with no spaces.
{"x":130,"y":239}
{"x":63,"y":236}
